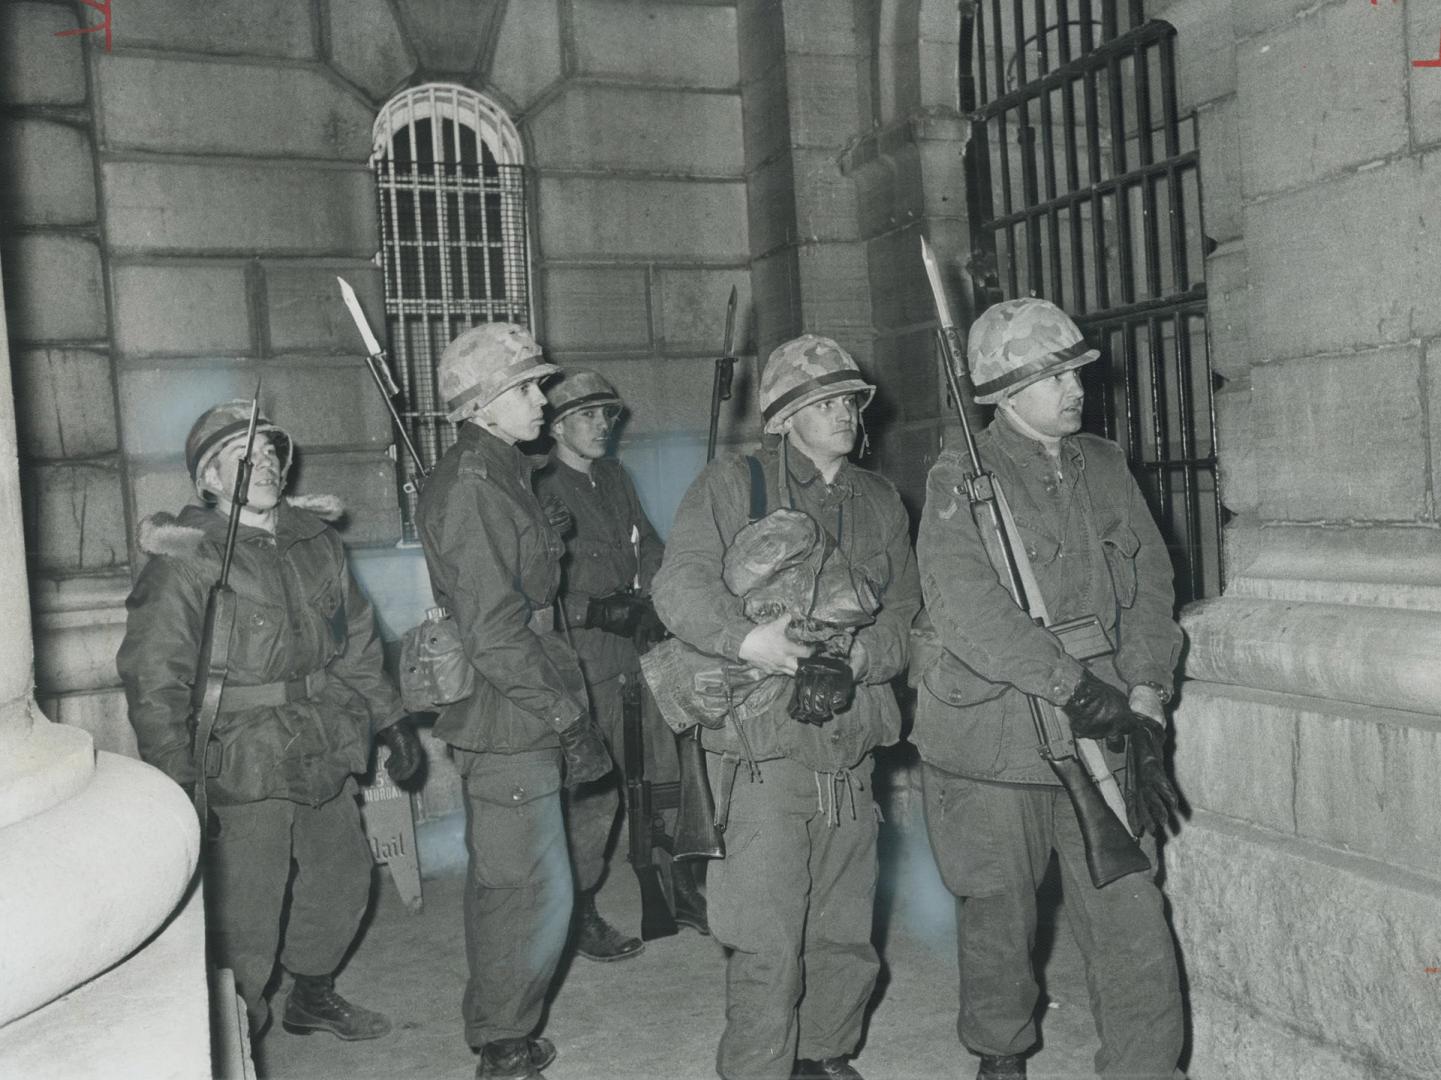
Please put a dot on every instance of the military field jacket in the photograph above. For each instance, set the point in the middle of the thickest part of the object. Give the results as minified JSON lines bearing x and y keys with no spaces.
{"x":298,"y":612}
{"x":862,"y":513}
{"x":1095,"y":550}
{"x":494,"y":561}
{"x":599,"y":556}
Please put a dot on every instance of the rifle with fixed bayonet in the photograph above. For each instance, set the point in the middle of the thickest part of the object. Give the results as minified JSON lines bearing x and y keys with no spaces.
{"x":213,"y":664}
{"x":1111,"y":851}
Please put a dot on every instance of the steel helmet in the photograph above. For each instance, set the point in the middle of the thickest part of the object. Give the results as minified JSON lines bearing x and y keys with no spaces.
{"x":1018,"y":342}
{"x":223,"y":424}
{"x":803,"y":371}
{"x":580,"y":388}
{"x":486,"y":361}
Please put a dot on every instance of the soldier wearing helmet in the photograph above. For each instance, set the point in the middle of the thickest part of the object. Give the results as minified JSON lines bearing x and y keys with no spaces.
{"x":494,"y":560}
{"x":303,"y":692}
{"x":994,"y":809}
{"x":611,"y":553}
{"x":792,"y":771}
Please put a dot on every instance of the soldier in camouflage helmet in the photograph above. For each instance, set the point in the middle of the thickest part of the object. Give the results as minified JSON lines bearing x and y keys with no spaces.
{"x":994,"y":809}
{"x":792,"y":898}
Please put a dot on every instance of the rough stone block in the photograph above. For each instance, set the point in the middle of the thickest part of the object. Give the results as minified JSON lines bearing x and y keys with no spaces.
{"x":1423,"y":38}
{"x":1366,"y":783}
{"x":1250,"y":18}
{"x":365,"y":484}
{"x":160,"y":488}
{"x":36,"y":67}
{"x":1329,"y":946}
{"x":836,"y":291}
{"x":75,"y":649}
{"x":825,"y":198}
{"x":102,"y":713}
{"x":1205,"y":50}
{"x":527,"y":52}
{"x":449,"y":35}
{"x":670,"y":396}
{"x":320,"y":406}
{"x":691,"y":308}
{"x":1341,"y":438}
{"x":1315,"y":123}
{"x":181,"y":308}
{"x":767,"y":129}
{"x":305,"y":312}
{"x":54,"y":288}
{"x":1236,"y":753}
{"x":824,"y":104}
{"x":900,"y":292}
{"x":1368,"y":278}
{"x":775,"y":284}
{"x":47,"y":176}
{"x":820,"y":27}
{"x":904,"y":453}
{"x":689,"y":46}
{"x":908,"y":378}
{"x":278,"y":208}
{"x":609,"y":217}
{"x":1228,"y":311}
{"x":664,"y":131}
{"x":1220,"y":144}
{"x":367,"y":47}
{"x":597,"y":308}
{"x":201,"y":107}
{"x":64,"y":403}
{"x":74,"y":517}
{"x":771,"y":205}
{"x":760,"y":37}
{"x":254,"y":28}
{"x":1240,"y":485}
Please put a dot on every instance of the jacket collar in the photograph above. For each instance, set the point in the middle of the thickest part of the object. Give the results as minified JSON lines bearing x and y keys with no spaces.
{"x":803,"y":471}
{"x":292,"y":524}
{"x":496,"y":453}
{"x":1024,"y":450}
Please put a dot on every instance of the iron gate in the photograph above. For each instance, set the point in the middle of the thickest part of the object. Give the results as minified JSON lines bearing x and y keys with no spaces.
{"x":1076,"y":133}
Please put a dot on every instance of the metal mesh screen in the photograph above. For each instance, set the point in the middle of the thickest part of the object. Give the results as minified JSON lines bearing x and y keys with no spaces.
{"x":1085,"y":188}
{"x":454,"y":254}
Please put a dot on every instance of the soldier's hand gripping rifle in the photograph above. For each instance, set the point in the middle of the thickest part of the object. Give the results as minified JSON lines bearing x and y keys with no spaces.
{"x":1111,"y":850}
{"x":213,"y":664}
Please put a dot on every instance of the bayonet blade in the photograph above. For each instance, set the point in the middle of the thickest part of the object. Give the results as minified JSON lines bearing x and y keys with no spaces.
{"x":729,"y":340}
{"x":938,"y":290}
{"x":372,"y":346}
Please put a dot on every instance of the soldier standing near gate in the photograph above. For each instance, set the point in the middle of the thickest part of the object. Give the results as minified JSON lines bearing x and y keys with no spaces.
{"x":494,"y":562}
{"x":793,"y":897}
{"x":995,"y":810}
{"x":611,"y":553}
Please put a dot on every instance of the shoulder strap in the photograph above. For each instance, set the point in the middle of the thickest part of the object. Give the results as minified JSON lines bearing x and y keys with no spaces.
{"x":758,"y":488}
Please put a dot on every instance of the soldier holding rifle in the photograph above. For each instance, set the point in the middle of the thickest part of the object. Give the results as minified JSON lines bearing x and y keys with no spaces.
{"x":773,"y":559}
{"x":611,"y":553}
{"x":1082,"y":539}
{"x":297,"y":699}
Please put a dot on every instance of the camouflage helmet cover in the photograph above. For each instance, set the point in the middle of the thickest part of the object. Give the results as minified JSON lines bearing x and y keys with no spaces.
{"x":221,"y":425}
{"x":1018,"y":342}
{"x":803,"y":371}
{"x":486,"y":361}
{"x":580,"y":388}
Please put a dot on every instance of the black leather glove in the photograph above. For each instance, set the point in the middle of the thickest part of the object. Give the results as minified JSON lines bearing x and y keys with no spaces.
{"x":406,"y":753}
{"x":650,"y":631}
{"x":1151,"y":800}
{"x":586,"y":756}
{"x":619,"y":613}
{"x":1099,"y":711}
{"x":824,"y":687}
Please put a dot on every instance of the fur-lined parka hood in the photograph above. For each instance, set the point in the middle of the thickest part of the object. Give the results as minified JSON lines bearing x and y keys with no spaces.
{"x":183,"y":535}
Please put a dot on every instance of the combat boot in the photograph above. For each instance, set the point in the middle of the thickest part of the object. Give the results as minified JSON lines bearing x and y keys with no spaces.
{"x":1002,"y":1067}
{"x":596,"y":939}
{"x":514,"y":1059}
{"x":313,"y":1005}
{"x":832,"y":1068}
{"x":690,"y":905}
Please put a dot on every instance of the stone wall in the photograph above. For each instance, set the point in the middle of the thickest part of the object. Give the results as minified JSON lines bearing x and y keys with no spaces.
{"x":175,"y":211}
{"x":1305,"y":884}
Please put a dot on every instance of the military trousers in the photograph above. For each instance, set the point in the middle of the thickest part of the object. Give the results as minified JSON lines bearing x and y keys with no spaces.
{"x":992,"y":843}
{"x":591,"y":811}
{"x":793,"y":901}
{"x":247,"y":874}
{"x":518,"y":890}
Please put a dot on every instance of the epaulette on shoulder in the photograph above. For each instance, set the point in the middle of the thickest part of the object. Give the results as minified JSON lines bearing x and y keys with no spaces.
{"x":473,"y":465}
{"x":162,"y":534}
{"x":327,"y":508}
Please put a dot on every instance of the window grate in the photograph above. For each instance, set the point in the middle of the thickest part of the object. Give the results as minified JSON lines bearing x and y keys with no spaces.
{"x":1084,"y":187}
{"x":452,"y":199}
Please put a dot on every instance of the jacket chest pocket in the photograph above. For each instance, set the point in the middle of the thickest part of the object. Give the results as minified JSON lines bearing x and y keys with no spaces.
{"x":1120,"y":544}
{"x":328,"y":604}
{"x":1040,"y":546}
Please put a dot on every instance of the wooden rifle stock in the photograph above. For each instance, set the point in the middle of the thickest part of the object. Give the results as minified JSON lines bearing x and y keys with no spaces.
{"x":656,"y":919}
{"x":1111,"y":851}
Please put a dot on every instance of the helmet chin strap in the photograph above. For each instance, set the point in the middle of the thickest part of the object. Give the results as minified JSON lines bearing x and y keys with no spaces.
{"x":1051,"y":443}
{"x":865,"y":436}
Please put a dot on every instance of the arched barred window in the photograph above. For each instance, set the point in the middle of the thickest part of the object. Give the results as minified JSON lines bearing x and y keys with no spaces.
{"x":449,"y":174}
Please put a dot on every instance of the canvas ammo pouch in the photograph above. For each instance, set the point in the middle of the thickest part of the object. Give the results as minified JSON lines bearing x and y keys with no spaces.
{"x":434,"y":669}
